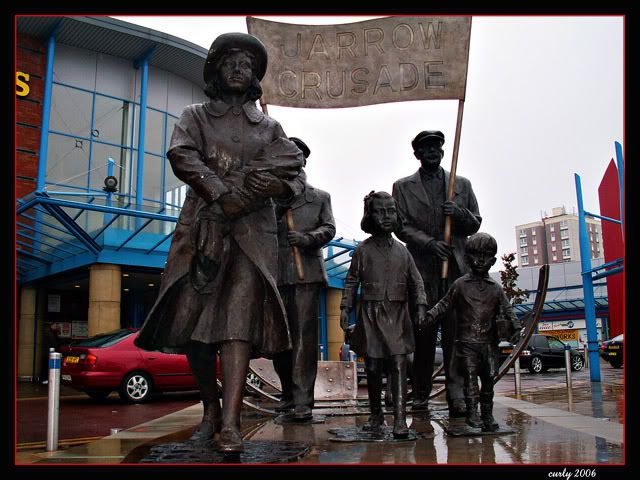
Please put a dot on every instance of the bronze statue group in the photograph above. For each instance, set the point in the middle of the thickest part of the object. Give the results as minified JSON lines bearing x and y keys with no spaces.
{"x":230,"y":287}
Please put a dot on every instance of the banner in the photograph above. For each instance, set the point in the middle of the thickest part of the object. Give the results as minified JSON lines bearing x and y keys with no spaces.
{"x":391,"y":59}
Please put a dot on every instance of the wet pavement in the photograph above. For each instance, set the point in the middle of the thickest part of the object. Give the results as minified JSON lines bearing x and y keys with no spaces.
{"x":550,"y":425}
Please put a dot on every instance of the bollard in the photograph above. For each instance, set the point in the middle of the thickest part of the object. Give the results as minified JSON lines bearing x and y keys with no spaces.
{"x":567,"y":364}
{"x":586,"y":357}
{"x":53,"y":407}
{"x":516,"y":376}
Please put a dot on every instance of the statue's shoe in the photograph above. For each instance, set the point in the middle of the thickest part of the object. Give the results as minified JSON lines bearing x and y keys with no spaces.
{"x":230,"y":441}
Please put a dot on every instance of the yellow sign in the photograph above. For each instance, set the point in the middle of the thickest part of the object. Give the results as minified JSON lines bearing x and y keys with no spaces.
{"x":565,"y":335}
{"x":22,"y":87}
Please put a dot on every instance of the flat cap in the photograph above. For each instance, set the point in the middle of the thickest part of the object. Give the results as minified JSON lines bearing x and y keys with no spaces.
{"x":432,"y":135}
{"x":301,"y":145}
{"x":242,"y":41}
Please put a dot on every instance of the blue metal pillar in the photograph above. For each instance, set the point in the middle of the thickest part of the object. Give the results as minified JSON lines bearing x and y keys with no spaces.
{"x":108,"y":216}
{"x":142,"y":123}
{"x":323,"y":325}
{"x":587,"y":286}
{"x":620,"y":163}
{"x":46,"y":114}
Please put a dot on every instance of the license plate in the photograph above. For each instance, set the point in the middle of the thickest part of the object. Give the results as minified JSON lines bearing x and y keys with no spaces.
{"x":71,"y":360}
{"x":613,"y":354}
{"x":66,"y":378}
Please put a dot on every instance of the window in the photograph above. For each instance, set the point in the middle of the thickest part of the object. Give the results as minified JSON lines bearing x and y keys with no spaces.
{"x":523,"y":242}
{"x":564,"y":225}
{"x":552,"y":227}
{"x":555,"y":257}
{"x":535,"y":259}
{"x":595,"y":229}
{"x":553,"y":237}
{"x":535,"y":250}
{"x":523,"y":250}
{"x":553,"y":248}
{"x":525,"y":260}
{"x":566,"y":252}
{"x":523,"y":232}
{"x":565,"y":243}
{"x":533,"y":232}
{"x":597,"y":239}
{"x":540,"y":341}
{"x":555,"y":343}
{"x":564,"y":234}
{"x":534,"y":241}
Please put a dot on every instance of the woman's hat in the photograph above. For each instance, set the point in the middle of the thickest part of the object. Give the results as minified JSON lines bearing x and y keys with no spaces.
{"x":242,"y":41}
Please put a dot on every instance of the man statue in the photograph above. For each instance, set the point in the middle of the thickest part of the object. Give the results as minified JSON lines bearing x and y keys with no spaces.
{"x":423,"y":205}
{"x":314,"y":228}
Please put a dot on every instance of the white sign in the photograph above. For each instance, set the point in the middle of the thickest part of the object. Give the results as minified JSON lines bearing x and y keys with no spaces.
{"x":53,"y":303}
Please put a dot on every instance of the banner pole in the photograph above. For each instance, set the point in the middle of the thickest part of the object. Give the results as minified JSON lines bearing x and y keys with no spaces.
{"x":450,"y":190}
{"x":290,"y":225}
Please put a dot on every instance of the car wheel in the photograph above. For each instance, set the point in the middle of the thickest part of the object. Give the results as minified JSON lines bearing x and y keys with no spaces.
{"x":536,"y":365}
{"x":577,"y":363}
{"x":136,"y":387}
{"x":98,"y":394}
{"x":616,"y":363}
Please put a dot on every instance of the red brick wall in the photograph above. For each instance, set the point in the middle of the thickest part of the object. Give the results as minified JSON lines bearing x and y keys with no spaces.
{"x":31,"y":58}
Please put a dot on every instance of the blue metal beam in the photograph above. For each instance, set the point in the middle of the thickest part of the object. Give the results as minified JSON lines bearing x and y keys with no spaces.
{"x":606,"y":265}
{"x":159,"y":243}
{"x":324,"y":354}
{"x":138,"y":230}
{"x":331,"y":257}
{"x":72,"y":226}
{"x":45,"y":234}
{"x":31,"y":256}
{"x":47,"y":224}
{"x":338,"y":265}
{"x":606,"y":273}
{"x":142,"y":123}
{"x":607,"y":219}
{"x":82,"y":211}
{"x":40,"y":252}
{"x":46,"y":244}
{"x":105,"y":209}
{"x":620,"y":162}
{"x":587,"y":282}
{"x":105,"y":226}
{"x":46,"y":111}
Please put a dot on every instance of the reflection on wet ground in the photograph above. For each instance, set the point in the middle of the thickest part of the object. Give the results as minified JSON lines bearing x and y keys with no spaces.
{"x":551,"y":425}
{"x":535,"y":442}
{"x":597,"y":400}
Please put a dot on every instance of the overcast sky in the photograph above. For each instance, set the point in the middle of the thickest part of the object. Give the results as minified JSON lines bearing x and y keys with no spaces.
{"x":544,"y":100}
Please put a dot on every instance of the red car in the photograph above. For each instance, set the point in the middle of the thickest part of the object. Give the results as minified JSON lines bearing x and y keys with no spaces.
{"x":110,"y":361}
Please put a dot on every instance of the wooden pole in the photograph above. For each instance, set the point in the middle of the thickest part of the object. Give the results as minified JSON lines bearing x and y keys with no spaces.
{"x":450,"y":190}
{"x":297,"y":259}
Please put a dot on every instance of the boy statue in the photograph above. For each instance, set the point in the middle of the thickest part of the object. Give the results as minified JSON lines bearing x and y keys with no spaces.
{"x":484,"y":316}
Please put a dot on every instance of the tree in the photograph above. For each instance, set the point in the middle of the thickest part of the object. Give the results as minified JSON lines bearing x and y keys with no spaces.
{"x":509,"y":277}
